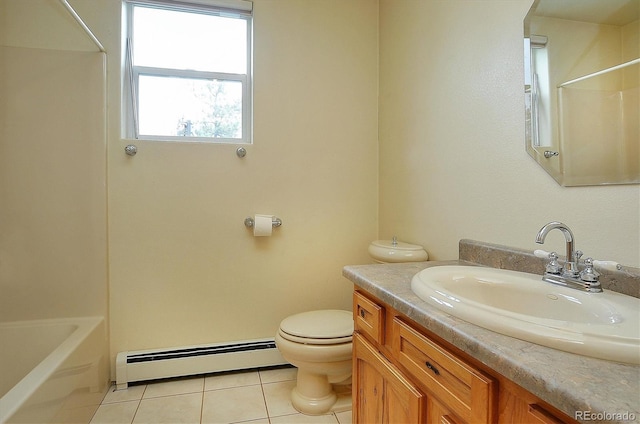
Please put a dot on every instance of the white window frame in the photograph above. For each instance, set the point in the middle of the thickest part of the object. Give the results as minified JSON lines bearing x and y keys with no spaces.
{"x":240,"y":9}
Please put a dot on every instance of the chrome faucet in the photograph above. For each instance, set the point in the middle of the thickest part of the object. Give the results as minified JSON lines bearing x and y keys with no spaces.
{"x":570,"y":267}
{"x":568,"y":275}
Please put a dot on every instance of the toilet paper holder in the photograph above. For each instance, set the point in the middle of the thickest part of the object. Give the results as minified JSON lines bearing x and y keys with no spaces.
{"x":275,"y":222}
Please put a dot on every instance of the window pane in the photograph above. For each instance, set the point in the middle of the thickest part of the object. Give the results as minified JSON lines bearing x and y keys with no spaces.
{"x":190,"y":107}
{"x":181,"y":40}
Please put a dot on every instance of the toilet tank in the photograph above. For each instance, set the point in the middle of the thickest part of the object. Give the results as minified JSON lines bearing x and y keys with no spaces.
{"x":394,"y":251}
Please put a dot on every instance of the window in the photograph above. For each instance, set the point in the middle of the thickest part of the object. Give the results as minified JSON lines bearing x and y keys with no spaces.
{"x":188,"y":70}
{"x":537,"y":91}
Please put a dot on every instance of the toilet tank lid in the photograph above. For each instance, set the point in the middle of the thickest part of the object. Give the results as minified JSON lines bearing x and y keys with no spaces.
{"x":322,"y":324}
{"x":388,"y":244}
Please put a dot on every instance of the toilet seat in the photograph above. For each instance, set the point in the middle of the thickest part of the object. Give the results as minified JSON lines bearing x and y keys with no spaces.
{"x":324,"y":327}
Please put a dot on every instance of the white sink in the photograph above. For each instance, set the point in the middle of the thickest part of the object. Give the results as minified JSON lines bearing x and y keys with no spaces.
{"x":602,"y":325}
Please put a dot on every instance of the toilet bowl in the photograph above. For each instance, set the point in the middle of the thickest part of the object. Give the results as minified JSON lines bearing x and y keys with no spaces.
{"x":319,"y":344}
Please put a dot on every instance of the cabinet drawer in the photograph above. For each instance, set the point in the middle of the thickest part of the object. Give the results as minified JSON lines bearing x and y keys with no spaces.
{"x":539,"y":415}
{"x":368,"y":318}
{"x":466,"y":391}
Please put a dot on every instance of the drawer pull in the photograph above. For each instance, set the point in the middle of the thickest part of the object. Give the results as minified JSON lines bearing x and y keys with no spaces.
{"x":362,"y":313}
{"x":541,"y":415}
{"x":432,"y":368}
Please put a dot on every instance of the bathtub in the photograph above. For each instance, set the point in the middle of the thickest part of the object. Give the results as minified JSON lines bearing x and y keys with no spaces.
{"x":52,"y":371}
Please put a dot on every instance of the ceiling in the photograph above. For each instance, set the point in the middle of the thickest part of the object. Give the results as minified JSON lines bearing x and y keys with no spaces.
{"x":609,"y":12}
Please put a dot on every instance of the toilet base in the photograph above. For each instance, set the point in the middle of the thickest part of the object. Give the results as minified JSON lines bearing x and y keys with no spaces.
{"x":314,"y":395}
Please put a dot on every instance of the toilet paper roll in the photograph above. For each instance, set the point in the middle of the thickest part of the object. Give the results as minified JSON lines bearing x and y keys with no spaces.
{"x":262,"y":225}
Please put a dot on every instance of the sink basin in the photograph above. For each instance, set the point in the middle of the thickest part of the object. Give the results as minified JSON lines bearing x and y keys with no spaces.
{"x":602,"y":325}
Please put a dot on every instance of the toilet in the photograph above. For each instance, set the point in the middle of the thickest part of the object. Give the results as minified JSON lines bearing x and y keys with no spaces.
{"x":319,"y":344}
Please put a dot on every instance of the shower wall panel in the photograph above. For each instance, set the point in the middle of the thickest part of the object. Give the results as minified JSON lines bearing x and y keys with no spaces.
{"x":52,"y":184}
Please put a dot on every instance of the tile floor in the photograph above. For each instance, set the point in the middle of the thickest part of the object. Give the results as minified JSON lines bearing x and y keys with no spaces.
{"x":256,"y":396}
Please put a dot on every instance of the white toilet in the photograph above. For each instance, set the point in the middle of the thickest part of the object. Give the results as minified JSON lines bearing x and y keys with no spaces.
{"x":319,"y":344}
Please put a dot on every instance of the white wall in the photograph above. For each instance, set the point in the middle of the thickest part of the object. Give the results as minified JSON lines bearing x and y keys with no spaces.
{"x":183,"y":268}
{"x":451,"y":130}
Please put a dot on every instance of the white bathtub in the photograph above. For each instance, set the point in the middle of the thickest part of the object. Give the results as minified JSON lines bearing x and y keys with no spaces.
{"x":52,"y":371}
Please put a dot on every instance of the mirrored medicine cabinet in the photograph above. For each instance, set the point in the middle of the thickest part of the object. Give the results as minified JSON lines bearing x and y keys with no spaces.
{"x":582,"y":90}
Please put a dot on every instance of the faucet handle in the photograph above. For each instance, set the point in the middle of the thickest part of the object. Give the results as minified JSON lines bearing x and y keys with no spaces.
{"x":553,"y":267}
{"x":589,"y":274}
{"x":578,"y":254}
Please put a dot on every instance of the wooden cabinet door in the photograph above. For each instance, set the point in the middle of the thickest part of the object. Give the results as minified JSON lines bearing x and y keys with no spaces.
{"x":368,"y":386}
{"x":382,"y":395}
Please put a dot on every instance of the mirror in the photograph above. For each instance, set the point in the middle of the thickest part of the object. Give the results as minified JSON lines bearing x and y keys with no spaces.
{"x":582,"y":91}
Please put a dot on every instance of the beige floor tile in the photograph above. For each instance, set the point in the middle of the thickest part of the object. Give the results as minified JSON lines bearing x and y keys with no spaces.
{"x":305,"y":419}
{"x":170,"y":409}
{"x":116,"y":413}
{"x":131,"y":393}
{"x":241,"y":397}
{"x":278,"y":374}
{"x":233,"y":405}
{"x":345,"y":417}
{"x":225,"y":381}
{"x":278,"y":397}
{"x":174,"y":387}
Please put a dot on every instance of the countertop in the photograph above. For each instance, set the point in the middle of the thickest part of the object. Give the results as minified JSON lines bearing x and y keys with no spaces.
{"x":570,"y":382}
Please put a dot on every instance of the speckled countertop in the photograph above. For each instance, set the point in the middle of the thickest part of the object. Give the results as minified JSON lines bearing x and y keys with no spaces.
{"x":567,"y":381}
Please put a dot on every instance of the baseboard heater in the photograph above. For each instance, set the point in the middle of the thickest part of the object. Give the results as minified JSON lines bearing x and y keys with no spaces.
{"x":184,"y":361}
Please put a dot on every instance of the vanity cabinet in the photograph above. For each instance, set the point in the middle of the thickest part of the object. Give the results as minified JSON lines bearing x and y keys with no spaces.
{"x":402,"y":373}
